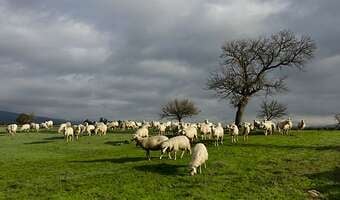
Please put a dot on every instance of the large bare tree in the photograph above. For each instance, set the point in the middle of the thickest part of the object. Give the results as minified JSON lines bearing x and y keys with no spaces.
{"x":247,"y":66}
{"x":179,"y":109}
{"x":272,"y":110}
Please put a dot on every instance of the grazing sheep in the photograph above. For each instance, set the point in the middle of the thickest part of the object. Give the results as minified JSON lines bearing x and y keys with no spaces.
{"x":78,"y":130}
{"x":113,"y":125}
{"x":268,"y":127}
{"x":301,"y":125}
{"x":44,"y":125}
{"x":12,"y":129}
{"x":35,"y":127}
{"x":175,"y":144}
{"x":100,"y":129}
{"x":150,"y":143}
{"x":218,"y":133}
{"x":285,"y":126}
{"x":25,"y":127}
{"x":198,"y":158}
{"x":143,"y":132}
{"x":234,"y":132}
{"x":161,"y":129}
{"x":247,"y":127}
{"x":190,"y":132}
{"x":89,"y":128}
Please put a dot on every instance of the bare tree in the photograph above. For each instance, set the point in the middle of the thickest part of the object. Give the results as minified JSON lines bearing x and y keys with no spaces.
{"x":179,"y":109}
{"x":247,"y":66}
{"x":272,"y":110}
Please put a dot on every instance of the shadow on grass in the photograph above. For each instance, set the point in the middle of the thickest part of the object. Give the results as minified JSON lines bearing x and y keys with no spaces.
{"x":55,"y":138}
{"x":328,"y":183}
{"x":162,"y":168}
{"x":113,"y":160}
{"x":39,"y":142}
{"x":117,"y":143}
{"x":322,"y":148}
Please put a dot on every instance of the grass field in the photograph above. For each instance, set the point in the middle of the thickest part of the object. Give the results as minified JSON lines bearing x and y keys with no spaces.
{"x":43,"y":166}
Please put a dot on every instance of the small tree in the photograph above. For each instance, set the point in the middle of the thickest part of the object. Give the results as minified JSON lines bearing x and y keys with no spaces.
{"x":24,"y":118}
{"x":272,"y":110}
{"x":179,"y":109}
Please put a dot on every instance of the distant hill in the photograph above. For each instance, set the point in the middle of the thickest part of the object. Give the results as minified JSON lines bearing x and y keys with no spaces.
{"x":10,"y":117}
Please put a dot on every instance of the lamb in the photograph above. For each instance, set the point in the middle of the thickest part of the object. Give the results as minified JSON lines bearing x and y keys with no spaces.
{"x":35,"y":127}
{"x":198,"y":158}
{"x":49,"y":124}
{"x":247,"y":127}
{"x":234,"y":132}
{"x":301,"y":125}
{"x":142,"y":132}
{"x":44,"y":125}
{"x":175,"y":144}
{"x":100,"y":129}
{"x":68,"y":133}
{"x":190,"y":132}
{"x":218,"y":133}
{"x":12,"y":129}
{"x":161,"y":129}
{"x":112,"y":125}
{"x":78,"y":129}
{"x":25,"y":127}
{"x":150,"y":143}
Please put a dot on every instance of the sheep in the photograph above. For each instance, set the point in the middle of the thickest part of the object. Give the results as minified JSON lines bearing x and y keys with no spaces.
{"x":49,"y":124}
{"x":25,"y":127}
{"x":301,"y":125}
{"x":62,"y":127}
{"x":247,"y":127}
{"x":150,"y":143}
{"x":68,"y":133}
{"x":101,"y":128}
{"x":142,"y":132}
{"x":89,"y":128}
{"x":285,"y":126}
{"x":12,"y":129}
{"x":175,"y":144}
{"x":234,"y":132}
{"x":161,"y":129}
{"x":44,"y":125}
{"x":35,"y":127}
{"x":112,"y":125}
{"x":268,"y":127}
{"x":205,"y":130}
{"x":218,"y":132}
{"x":198,"y":158}
{"x":190,"y":132}
{"x":78,"y":130}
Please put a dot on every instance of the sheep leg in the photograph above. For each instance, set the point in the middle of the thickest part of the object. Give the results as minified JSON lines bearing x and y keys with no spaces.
{"x":182,"y":153}
{"x":148,"y":155}
{"x":175,"y":155}
{"x":169,"y":155}
{"x":205,"y":165}
{"x":200,"y":169}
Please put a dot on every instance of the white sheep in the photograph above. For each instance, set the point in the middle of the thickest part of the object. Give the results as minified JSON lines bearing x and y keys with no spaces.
{"x":161,"y":129}
{"x":100,"y":129}
{"x":49,"y":124}
{"x":35,"y":127}
{"x":89,"y":128}
{"x":234,"y":132}
{"x":218,"y":133}
{"x":68,"y":133}
{"x":143,"y":132}
{"x":150,"y":143}
{"x":205,"y":130}
{"x":190,"y":132}
{"x":268,"y":127}
{"x":198,"y":158}
{"x":247,"y":127}
{"x":12,"y":129}
{"x":175,"y":144}
{"x":25,"y":127}
{"x":285,"y":126}
{"x":44,"y":125}
{"x":301,"y":125}
{"x":62,"y":127}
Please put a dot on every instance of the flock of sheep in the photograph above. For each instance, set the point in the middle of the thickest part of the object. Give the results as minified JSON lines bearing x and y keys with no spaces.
{"x":184,"y":134}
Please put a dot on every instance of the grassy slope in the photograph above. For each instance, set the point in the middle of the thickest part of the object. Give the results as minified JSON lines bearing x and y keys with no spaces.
{"x":42,"y":166}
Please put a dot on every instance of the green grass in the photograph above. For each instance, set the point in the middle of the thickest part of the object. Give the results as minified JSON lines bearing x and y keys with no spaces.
{"x":43,"y":166}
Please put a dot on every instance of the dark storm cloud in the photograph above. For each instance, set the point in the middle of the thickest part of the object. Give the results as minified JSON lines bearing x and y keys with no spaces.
{"x":124,"y":59}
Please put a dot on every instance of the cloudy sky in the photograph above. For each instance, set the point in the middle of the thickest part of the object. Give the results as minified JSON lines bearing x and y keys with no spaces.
{"x":123,"y":59}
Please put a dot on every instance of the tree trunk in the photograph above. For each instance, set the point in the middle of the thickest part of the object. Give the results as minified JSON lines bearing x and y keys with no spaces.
{"x":239,"y":113}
